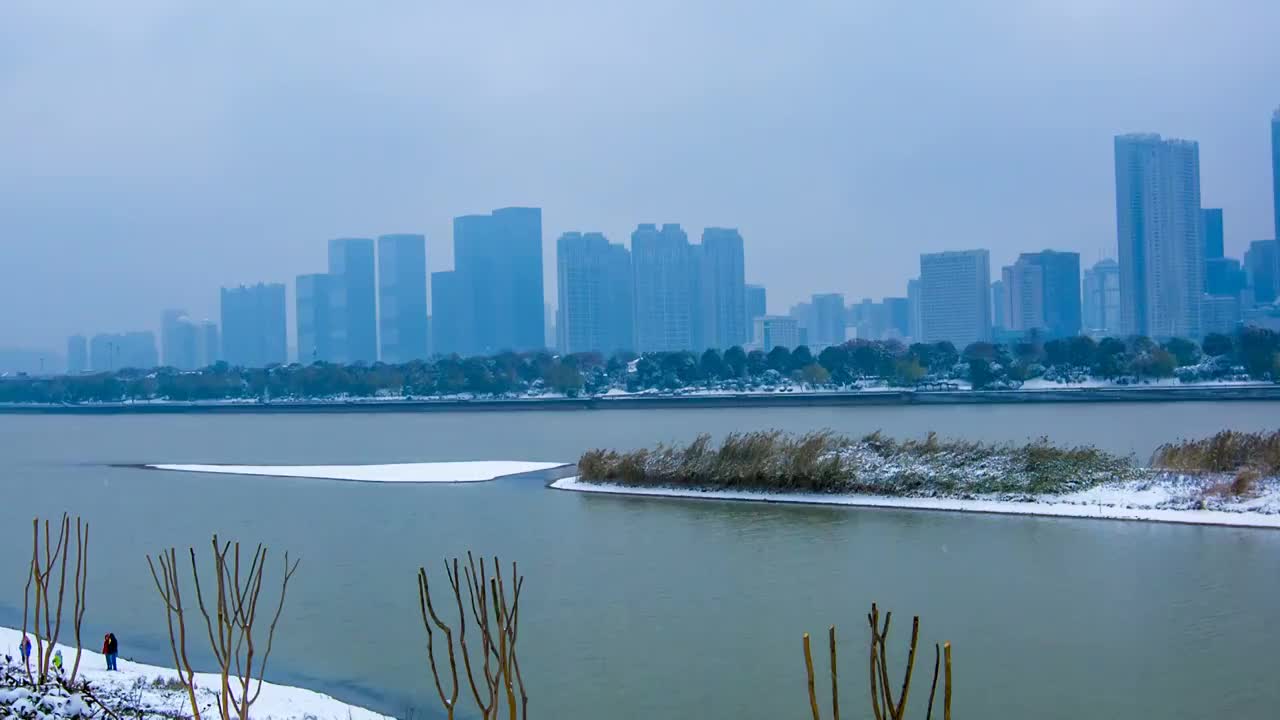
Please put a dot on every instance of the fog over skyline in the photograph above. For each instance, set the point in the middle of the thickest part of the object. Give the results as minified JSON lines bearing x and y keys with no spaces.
{"x":151,"y":152}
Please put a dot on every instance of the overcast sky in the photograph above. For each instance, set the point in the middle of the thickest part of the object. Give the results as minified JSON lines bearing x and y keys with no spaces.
{"x":153,"y":151}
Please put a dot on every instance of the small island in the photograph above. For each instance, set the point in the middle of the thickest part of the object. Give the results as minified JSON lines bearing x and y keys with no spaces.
{"x":1232,"y":478}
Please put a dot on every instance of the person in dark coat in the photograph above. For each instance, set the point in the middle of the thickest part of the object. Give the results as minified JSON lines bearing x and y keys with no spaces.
{"x":110,"y":648}
{"x":25,"y":648}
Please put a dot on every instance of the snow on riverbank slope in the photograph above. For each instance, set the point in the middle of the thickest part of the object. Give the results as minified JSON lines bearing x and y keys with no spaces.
{"x":135,"y":682}
{"x":432,"y":472}
{"x":1130,"y":500}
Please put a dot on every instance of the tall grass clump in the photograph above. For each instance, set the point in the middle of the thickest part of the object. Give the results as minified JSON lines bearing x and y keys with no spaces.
{"x":824,"y":462}
{"x":767,"y":459}
{"x":1225,"y":452}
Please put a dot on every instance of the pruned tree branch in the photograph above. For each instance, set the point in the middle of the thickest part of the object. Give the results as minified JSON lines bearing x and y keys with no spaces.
{"x":493,"y":669}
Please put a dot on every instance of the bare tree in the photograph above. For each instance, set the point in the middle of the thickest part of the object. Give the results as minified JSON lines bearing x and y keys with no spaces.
{"x":47,"y":621}
{"x":883,"y":704}
{"x":232,"y":626}
{"x":497,"y":617}
{"x":170,"y":590}
{"x":81,"y":586}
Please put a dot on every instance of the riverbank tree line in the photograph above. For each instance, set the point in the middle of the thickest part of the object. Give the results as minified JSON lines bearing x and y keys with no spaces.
{"x":1250,"y":354}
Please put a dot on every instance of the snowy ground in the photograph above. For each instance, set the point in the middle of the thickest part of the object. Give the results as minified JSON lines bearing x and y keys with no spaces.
{"x":433,"y":472}
{"x":1170,"y":499}
{"x":137,"y":685}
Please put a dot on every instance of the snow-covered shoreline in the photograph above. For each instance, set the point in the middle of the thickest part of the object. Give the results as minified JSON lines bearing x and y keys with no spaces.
{"x":427,"y":472}
{"x":137,"y":683}
{"x":1119,"y":501}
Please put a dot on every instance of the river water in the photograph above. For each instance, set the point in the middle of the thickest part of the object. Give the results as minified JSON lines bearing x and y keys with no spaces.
{"x":660,"y":608}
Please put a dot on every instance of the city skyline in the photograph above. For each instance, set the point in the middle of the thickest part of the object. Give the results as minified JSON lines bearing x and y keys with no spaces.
{"x":664,"y":293}
{"x":1157,"y":196}
{"x":119,"y":199}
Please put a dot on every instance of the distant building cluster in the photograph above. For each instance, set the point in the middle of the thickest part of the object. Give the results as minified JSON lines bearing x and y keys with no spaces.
{"x":1170,"y":277}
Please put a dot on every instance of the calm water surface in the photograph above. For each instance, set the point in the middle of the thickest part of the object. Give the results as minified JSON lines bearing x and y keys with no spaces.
{"x":653,"y":608}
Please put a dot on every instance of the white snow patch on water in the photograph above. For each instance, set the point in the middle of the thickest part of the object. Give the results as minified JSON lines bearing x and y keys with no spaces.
{"x":278,"y":702}
{"x":430,"y":472}
{"x":1121,"y":501}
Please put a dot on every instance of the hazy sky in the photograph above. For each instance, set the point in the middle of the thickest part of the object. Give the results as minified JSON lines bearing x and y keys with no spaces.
{"x":153,"y":151}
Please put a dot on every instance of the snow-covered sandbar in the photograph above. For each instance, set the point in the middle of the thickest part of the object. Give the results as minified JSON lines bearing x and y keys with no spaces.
{"x":1121,"y":501}
{"x":136,"y":681}
{"x":429,"y":472}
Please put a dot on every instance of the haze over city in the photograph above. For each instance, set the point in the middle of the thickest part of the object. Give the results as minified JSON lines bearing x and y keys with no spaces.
{"x":153,"y":153}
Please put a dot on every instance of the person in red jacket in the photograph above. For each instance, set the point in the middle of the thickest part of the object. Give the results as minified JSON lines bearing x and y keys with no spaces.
{"x":110,"y":648}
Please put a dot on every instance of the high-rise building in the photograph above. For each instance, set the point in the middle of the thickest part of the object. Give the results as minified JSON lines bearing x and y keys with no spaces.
{"x":897,"y":311}
{"x":1211,"y":222}
{"x":451,"y":319}
{"x":1275,"y":170}
{"x":1023,"y":297}
{"x":208,"y":343}
{"x":913,"y":308}
{"x":595,"y":297}
{"x":1041,"y":291}
{"x":1221,"y":314}
{"x":77,"y":355}
{"x":777,"y":331}
{"x":1262,"y":266}
{"x":402,"y":297}
{"x":1224,"y":277}
{"x":549,"y":331}
{"x":1161,"y":243}
{"x":318,"y":339}
{"x":498,"y":258}
{"x":805,"y":318}
{"x":757,"y":305}
{"x":254,"y":330}
{"x":722,"y":291}
{"x":353,"y":306}
{"x":109,"y":352}
{"x":999,"y":304}
{"x":1101,"y":299}
{"x":955,"y":292}
{"x":663,"y":265}
{"x":828,"y":323}
{"x":179,"y":340}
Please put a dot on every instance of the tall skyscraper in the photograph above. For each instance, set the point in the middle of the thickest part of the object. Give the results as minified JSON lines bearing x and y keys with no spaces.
{"x":596,"y":302}
{"x":1041,"y":291}
{"x":1161,"y":242}
{"x":208,"y":343}
{"x":354,"y":300}
{"x":402,"y":296}
{"x":897,"y":312}
{"x":1102,"y":298}
{"x":254,"y":331}
{"x":1275,"y":170}
{"x":914,"y":306}
{"x":313,"y":303}
{"x":77,"y":355}
{"x":451,"y":319}
{"x":1262,"y":266}
{"x":828,"y":320}
{"x":109,"y":352}
{"x":498,"y":258}
{"x":955,"y":292}
{"x":1224,"y":277}
{"x":663,"y":265}
{"x":757,"y":305}
{"x":179,"y":340}
{"x":722,"y":290}
{"x":1211,"y":222}
{"x":999,"y":303}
